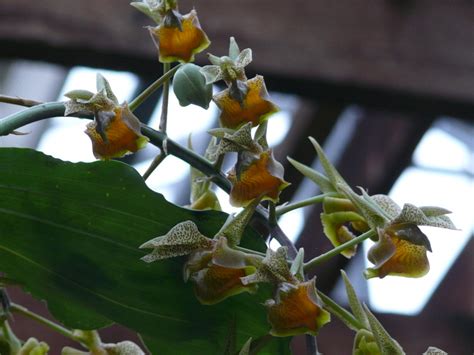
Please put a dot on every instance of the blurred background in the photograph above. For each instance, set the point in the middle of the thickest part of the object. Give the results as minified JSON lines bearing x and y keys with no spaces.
{"x":387,"y":87}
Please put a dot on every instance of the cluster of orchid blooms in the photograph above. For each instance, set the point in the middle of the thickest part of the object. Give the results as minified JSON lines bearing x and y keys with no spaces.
{"x":216,"y":266}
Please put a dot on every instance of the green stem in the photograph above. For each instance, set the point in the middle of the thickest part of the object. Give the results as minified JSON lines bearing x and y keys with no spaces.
{"x":333,"y":252}
{"x":340,"y":312}
{"x":152,"y":88}
{"x":15,"y":308}
{"x":165,"y":102}
{"x":187,"y":155}
{"x":303,"y":203}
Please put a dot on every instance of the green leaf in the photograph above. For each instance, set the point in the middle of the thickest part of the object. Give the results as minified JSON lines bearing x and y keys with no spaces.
{"x":69,"y":233}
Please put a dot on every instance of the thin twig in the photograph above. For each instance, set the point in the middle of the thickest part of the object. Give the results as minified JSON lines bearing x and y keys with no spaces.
{"x":15,"y":100}
{"x":165,"y":102}
{"x":311,"y":344}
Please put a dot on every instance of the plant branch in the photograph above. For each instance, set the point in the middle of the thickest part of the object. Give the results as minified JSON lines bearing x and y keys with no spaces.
{"x":333,"y":252}
{"x":152,"y":88}
{"x":311,"y":344}
{"x":303,"y":203}
{"x":18,"y":101}
{"x":272,"y":216}
{"x":36,"y":317}
{"x":165,"y":102}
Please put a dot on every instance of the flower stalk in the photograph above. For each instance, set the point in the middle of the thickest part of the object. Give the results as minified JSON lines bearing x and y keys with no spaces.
{"x":303,"y":203}
{"x":16,"y":308}
{"x":145,"y":94}
{"x":333,"y":252}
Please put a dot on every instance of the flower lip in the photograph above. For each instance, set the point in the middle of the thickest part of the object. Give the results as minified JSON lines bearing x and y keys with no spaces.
{"x":239,"y":106}
{"x":255,"y":177}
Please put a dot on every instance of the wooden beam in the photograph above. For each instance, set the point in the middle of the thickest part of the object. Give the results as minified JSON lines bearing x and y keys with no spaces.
{"x":398,"y":49}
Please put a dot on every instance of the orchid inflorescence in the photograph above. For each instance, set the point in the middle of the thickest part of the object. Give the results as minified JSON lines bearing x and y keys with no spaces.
{"x":217,"y":265}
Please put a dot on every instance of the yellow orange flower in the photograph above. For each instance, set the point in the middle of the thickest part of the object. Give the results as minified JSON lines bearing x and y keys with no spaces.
{"x":180,"y":43}
{"x":398,"y":257}
{"x":115,"y":133}
{"x":255,"y":106}
{"x":262,"y":176}
{"x":296,"y":310}
{"x":217,"y":274}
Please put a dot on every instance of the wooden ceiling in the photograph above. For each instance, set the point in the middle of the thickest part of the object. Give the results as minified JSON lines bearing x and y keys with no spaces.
{"x":415,"y":55}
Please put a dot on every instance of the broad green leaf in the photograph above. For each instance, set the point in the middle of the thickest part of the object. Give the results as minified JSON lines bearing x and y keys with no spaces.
{"x":69,"y":233}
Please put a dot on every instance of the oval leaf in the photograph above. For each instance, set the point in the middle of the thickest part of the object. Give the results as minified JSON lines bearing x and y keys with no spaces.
{"x":69,"y":233}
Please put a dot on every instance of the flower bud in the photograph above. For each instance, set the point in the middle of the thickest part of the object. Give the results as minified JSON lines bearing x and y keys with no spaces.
{"x":190,"y":87}
{"x":34,"y":347}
